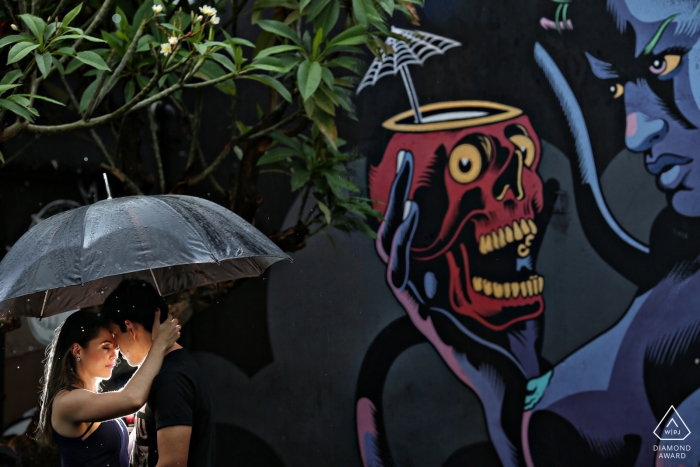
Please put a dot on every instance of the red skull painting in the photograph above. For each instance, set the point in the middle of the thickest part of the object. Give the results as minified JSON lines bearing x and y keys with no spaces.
{"x":464,"y":216}
{"x":475,"y":182}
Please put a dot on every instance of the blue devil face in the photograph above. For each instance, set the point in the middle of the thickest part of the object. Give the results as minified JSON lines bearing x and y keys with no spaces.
{"x":661,"y":90}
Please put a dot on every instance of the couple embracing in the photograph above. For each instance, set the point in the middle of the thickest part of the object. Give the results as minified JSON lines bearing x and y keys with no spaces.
{"x":173,"y":424}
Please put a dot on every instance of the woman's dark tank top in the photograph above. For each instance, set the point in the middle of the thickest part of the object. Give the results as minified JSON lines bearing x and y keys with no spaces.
{"x":107,"y":446}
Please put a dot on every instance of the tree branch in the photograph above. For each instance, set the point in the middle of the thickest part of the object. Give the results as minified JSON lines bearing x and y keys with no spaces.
{"x":156,"y":148}
{"x":122,"y":64}
{"x":58,"y":9}
{"x":195,"y":124}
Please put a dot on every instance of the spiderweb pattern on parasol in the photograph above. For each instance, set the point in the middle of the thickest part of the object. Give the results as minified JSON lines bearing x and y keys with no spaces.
{"x":417,"y":47}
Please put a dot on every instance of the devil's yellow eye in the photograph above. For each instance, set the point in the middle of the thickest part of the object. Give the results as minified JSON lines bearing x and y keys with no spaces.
{"x":617,"y":90}
{"x":465,"y":163}
{"x":665,"y":65}
{"x":526,"y":147}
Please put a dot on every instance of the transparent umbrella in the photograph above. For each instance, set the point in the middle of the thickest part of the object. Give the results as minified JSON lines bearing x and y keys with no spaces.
{"x":76,"y":258}
{"x":415,"y":48}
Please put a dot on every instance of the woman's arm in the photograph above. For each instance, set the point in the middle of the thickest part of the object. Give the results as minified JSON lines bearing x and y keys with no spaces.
{"x":87,"y":406}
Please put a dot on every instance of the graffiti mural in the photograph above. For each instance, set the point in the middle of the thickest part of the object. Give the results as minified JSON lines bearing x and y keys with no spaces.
{"x":465,"y":211}
{"x":602,"y":399}
{"x":464,"y":214}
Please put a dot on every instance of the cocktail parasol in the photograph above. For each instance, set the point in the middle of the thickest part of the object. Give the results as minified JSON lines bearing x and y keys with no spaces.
{"x":414,"y":49}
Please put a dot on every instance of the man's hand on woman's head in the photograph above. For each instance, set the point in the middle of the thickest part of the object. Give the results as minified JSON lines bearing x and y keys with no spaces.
{"x":167,"y":332}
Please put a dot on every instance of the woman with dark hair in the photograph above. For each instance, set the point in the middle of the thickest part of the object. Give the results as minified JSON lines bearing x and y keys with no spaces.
{"x":83,"y":422}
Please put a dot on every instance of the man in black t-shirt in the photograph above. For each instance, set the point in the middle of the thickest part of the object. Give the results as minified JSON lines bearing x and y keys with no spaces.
{"x":175,"y":426}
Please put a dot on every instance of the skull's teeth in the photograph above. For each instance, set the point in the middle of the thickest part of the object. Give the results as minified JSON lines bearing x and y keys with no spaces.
{"x":497,"y":239}
{"x":529,"y":288}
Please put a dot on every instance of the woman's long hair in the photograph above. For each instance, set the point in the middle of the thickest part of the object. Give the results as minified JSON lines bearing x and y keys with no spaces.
{"x":59,"y":365}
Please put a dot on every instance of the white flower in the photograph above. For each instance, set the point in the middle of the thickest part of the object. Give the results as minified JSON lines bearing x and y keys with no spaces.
{"x":199,"y":18}
{"x":214,"y":20}
{"x":172,"y":40}
{"x":157,"y":8}
{"x":14,"y":27}
{"x":207,"y":10}
{"x":165,"y":49}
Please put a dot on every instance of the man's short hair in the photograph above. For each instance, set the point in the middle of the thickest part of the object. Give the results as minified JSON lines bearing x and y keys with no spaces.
{"x":134,"y":300}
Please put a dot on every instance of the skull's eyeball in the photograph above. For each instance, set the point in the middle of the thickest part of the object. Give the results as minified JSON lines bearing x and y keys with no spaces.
{"x":465,"y":163}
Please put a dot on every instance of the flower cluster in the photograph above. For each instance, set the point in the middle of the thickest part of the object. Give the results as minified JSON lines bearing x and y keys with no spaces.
{"x":209,"y":12}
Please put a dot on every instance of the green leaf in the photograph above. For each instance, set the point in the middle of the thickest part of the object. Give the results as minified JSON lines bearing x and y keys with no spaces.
{"x":2,"y":158}
{"x":270,"y":64}
{"x":359,"y":10}
{"x":114,"y":42}
{"x":76,"y":37}
{"x":322,"y":101}
{"x":16,"y":109}
{"x":303,"y":4}
{"x":70,"y":51}
{"x":273,"y":83}
{"x":349,"y":63}
{"x":70,"y":16}
{"x":142,"y":45}
{"x":328,"y":17}
{"x":261,"y":4}
{"x":306,"y":40}
{"x":308,"y":78}
{"x":72,"y":66}
{"x":352,"y":36}
{"x":11,"y":77}
{"x":344,"y":100}
{"x":36,"y":25}
{"x":276,"y":155}
{"x":19,"y":51}
{"x":281,"y":138}
{"x":317,"y":42}
{"x":233,"y":41}
{"x":50,"y":29}
{"x":327,"y":76}
{"x":336,"y":182}
{"x":20,"y":100}
{"x":138,"y":17}
{"x":210,"y":70}
{"x":44,"y":62}
{"x":224,"y":60}
{"x":58,"y":65}
{"x":299,"y":178}
{"x":324,"y":209}
{"x":41,"y":98}
{"x":87,"y":95}
{"x":387,"y":5}
{"x":129,"y":90}
{"x":12,"y":39}
{"x":317,"y":7}
{"x":7,"y":87}
{"x":280,"y":29}
{"x":277,"y":49}
{"x":92,"y":59}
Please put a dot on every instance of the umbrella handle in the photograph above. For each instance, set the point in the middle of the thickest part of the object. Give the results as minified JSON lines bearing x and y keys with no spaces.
{"x":109,"y":192}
